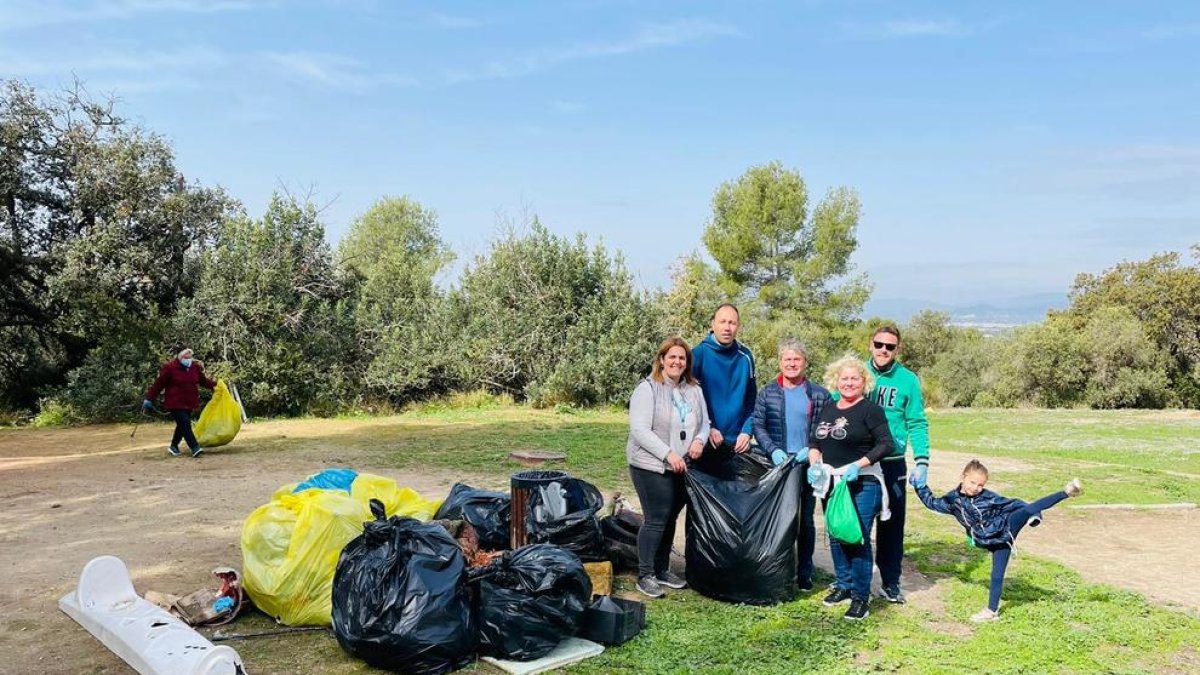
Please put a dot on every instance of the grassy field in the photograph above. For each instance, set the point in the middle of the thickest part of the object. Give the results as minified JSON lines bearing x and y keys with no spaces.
{"x":1054,"y":621}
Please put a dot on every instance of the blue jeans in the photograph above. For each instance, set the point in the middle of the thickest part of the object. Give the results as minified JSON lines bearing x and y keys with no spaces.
{"x":889,"y":538}
{"x":1000,"y":555}
{"x":853,"y":564}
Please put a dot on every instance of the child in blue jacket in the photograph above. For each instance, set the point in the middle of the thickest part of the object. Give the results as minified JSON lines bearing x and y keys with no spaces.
{"x":992,"y":521}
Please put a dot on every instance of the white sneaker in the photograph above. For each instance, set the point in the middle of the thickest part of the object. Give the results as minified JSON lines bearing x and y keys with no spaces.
{"x":984,"y":615}
{"x":1073,"y":488}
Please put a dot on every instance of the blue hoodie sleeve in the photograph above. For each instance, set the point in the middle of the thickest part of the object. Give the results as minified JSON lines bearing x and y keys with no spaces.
{"x":749,"y":398}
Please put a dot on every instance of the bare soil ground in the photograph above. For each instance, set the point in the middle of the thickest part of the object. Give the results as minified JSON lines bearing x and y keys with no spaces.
{"x":67,"y":496}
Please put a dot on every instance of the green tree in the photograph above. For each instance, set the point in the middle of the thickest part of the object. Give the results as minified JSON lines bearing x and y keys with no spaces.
{"x":927,"y":336}
{"x":786,"y":263}
{"x":1164,"y":294}
{"x":764,"y":240}
{"x":552,"y":319}
{"x":393,"y":252}
{"x":1126,"y":368}
{"x":696,"y":291}
{"x":99,"y":235}
{"x":271,"y":312}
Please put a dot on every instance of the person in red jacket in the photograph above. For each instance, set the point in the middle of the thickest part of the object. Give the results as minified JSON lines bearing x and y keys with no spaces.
{"x":179,"y":379}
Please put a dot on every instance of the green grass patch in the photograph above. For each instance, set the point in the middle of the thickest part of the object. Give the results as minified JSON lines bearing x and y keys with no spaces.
{"x":1052,"y":620}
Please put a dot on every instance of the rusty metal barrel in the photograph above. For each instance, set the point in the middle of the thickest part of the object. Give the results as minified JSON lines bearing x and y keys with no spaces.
{"x":523,"y":484}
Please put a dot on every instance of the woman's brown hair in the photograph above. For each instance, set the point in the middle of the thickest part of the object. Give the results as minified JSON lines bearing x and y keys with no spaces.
{"x":656,"y":368}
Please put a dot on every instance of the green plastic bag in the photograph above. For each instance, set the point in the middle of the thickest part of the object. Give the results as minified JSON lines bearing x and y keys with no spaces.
{"x":841,"y":520}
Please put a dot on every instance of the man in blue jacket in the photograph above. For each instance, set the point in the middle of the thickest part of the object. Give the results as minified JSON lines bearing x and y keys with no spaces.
{"x":725,"y":369}
{"x":783,"y":416}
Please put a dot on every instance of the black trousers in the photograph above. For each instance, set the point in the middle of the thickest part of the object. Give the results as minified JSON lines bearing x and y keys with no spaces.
{"x":183,"y":429}
{"x":662,"y":496}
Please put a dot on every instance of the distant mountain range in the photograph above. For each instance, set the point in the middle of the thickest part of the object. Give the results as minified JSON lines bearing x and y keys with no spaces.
{"x":990,"y":317}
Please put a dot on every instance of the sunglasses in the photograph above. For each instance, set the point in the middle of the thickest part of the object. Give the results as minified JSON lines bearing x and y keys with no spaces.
{"x":890,"y":346}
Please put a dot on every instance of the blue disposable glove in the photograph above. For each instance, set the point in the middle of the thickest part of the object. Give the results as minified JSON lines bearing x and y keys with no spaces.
{"x":851,"y":473}
{"x":919,"y":476}
{"x":778,"y":456}
{"x":147,"y":405}
{"x":816,"y":474}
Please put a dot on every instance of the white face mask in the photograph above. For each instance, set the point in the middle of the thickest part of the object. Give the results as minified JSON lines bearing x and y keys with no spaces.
{"x":186,"y":363}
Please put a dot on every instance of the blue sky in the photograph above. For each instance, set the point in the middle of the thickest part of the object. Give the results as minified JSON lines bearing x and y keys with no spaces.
{"x":998,"y":148}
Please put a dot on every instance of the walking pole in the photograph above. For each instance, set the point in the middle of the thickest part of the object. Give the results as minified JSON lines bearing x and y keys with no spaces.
{"x":136,"y":425}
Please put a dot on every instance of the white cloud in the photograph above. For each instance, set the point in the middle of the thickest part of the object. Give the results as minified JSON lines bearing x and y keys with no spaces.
{"x":1155,"y":173}
{"x":567,"y":107}
{"x":907,"y":28}
{"x":452,"y":22}
{"x":22,"y":14}
{"x":332,"y":70}
{"x":109,"y":61}
{"x":1172,"y":31}
{"x":648,"y":37}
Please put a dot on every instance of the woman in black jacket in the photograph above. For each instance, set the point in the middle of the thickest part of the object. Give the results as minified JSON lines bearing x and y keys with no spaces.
{"x":849,"y":438}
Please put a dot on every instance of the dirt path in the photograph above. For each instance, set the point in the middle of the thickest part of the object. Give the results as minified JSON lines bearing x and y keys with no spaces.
{"x":67,"y":496}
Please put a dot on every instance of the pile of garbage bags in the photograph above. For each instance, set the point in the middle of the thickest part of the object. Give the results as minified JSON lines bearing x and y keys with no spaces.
{"x":290,"y":545}
{"x":529,"y":600}
{"x":565,"y":513}
{"x":489,"y":514}
{"x":400,"y":598}
{"x":358,"y":552}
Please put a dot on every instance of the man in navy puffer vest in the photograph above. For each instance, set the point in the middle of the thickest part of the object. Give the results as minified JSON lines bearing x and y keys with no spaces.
{"x":782,"y":422}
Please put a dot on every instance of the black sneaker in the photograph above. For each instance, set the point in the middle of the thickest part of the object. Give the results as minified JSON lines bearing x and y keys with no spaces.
{"x":837,"y":595}
{"x":859,"y":610}
{"x":670,"y":580}
{"x":805,"y":585}
{"x":649,"y":587}
{"x":197,"y":451}
{"x":893,"y":595}
{"x":173,"y":450}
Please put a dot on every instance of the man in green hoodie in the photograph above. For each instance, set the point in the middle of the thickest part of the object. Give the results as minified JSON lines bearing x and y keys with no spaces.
{"x":898,"y":391}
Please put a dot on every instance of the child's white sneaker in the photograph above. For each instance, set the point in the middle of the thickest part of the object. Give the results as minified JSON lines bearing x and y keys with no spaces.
{"x":984,"y":615}
{"x":1073,"y":488}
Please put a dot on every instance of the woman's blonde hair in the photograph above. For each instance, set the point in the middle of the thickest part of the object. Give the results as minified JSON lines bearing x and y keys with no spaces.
{"x":656,"y":368}
{"x":181,"y":353}
{"x":848,"y":361}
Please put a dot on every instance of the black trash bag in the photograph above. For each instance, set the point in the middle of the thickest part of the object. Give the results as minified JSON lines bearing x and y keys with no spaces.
{"x":401,"y":600}
{"x":741,"y":535}
{"x":620,"y":532}
{"x":490,"y":513}
{"x":530,"y":599}
{"x":579,"y":530}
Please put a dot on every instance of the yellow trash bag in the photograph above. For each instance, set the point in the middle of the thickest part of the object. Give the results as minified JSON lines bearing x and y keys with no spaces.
{"x":290,"y":546}
{"x":397,"y":501}
{"x":220,"y":420}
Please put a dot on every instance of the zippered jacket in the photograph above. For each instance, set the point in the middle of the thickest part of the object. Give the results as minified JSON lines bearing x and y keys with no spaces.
{"x":984,"y":516}
{"x":770,"y":416}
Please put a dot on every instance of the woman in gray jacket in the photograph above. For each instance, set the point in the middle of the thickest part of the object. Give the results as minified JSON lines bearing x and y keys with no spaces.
{"x":667,"y":420}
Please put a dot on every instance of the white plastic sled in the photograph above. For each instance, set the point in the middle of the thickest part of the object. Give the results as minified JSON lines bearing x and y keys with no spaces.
{"x":146,"y":636}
